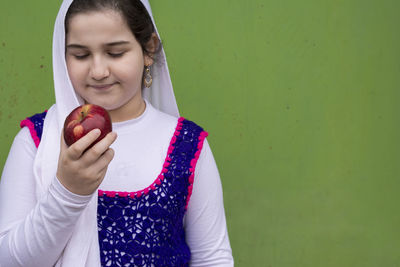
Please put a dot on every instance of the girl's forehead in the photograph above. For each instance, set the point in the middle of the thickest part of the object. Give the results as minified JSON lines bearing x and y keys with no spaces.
{"x":98,"y":26}
{"x":103,"y":16}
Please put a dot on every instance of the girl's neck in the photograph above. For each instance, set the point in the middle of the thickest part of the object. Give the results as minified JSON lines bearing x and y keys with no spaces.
{"x":128,"y":112}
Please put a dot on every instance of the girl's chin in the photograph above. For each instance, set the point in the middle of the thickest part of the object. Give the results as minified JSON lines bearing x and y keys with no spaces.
{"x":106,"y":106}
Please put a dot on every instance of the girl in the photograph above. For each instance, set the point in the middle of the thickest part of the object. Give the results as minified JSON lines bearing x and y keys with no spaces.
{"x":151,"y":196}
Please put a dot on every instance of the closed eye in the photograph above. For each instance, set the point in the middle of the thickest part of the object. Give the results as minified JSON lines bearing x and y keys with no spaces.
{"x":81,"y":56}
{"x":115,"y":55}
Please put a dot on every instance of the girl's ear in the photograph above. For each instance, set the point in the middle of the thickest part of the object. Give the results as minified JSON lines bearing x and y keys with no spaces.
{"x":152,"y":47}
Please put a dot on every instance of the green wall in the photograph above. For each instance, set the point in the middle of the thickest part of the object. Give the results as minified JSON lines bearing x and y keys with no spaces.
{"x":300,"y":100}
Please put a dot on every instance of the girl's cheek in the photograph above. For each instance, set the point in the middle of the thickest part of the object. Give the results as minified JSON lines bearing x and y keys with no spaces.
{"x":76,"y":68}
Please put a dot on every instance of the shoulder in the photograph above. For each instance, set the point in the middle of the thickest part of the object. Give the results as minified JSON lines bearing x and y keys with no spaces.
{"x":191,"y":126}
{"x":23,"y":144}
{"x":164,"y":119}
{"x":35,"y":125}
{"x":189,"y":137}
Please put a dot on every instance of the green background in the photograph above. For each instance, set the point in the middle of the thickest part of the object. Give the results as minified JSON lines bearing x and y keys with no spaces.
{"x":300,"y":100}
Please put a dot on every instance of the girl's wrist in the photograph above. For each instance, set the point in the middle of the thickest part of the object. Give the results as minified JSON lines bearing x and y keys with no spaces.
{"x":70,"y":196}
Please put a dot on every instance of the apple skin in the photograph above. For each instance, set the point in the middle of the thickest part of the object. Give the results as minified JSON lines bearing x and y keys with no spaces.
{"x":83,"y":119}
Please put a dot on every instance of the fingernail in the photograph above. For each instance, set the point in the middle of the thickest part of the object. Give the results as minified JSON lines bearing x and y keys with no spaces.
{"x":96,"y":131}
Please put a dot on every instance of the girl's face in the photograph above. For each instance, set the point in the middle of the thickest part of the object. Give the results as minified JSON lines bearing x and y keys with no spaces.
{"x":105,"y":63}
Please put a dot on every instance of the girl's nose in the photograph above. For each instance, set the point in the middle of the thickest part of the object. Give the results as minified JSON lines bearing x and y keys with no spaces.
{"x":99,"y":69}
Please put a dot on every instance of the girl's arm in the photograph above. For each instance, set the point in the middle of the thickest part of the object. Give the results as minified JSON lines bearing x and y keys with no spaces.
{"x":205,"y":223}
{"x":33,"y":232}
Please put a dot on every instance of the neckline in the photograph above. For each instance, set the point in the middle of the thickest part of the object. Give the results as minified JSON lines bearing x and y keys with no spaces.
{"x":159,"y":179}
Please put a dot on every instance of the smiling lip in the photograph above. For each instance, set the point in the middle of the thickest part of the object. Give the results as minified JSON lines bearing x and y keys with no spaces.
{"x":101,"y":86}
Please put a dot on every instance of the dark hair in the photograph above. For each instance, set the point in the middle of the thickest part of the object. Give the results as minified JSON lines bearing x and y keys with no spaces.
{"x":133,"y":11}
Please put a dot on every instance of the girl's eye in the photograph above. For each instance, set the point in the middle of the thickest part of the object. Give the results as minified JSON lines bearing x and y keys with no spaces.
{"x":81,"y":56}
{"x":116,"y":54}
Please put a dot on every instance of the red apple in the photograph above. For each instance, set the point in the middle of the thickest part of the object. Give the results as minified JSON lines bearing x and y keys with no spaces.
{"x":83,"y":119}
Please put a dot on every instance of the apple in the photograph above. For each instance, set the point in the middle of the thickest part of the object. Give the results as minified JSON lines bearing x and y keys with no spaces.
{"x":83,"y":119}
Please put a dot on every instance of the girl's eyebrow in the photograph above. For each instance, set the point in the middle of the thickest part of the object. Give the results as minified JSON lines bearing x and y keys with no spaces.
{"x":76,"y":46}
{"x":108,"y":44}
{"x":117,"y":43}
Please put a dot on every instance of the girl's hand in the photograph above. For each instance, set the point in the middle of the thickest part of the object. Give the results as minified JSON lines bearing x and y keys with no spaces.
{"x":81,"y":171}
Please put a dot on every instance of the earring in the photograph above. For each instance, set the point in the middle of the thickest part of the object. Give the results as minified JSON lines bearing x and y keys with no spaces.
{"x":147,"y":79}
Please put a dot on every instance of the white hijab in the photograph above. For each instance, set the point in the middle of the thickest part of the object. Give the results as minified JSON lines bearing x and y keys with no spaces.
{"x":83,"y":247}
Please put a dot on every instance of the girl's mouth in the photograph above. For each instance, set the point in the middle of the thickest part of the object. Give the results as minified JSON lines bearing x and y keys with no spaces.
{"x":101,"y":86}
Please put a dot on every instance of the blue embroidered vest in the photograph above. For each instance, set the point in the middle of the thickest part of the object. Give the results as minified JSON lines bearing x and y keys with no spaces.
{"x":145,"y":228}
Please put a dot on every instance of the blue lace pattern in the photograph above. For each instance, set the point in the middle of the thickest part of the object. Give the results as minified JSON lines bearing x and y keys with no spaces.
{"x":145,"y":228}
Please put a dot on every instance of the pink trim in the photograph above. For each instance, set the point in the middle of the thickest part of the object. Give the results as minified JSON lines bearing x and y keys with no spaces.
{"x":123,"y":194}
{"x":160,"y":177}
{"x":193,"y":163}
{"x":32,"y":131}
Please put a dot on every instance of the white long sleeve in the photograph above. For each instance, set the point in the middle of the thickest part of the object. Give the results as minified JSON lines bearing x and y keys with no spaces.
{"x":205,"y":223}
{"x":33,"y":232}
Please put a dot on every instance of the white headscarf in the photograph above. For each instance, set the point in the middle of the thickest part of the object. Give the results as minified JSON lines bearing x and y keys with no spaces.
{"x":83,"y":247}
